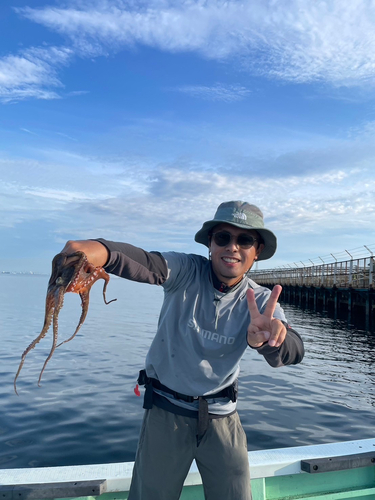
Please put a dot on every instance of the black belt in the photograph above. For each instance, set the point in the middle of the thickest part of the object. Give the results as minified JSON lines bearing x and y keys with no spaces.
{"x":203,"y":415}
{"x":188,"y":399}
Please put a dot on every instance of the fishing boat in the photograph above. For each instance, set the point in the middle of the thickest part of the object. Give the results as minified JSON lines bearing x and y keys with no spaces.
{"x":338,"y":471}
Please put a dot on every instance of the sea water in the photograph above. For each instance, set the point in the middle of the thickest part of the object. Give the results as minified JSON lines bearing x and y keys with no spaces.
{"x":85,"y":410}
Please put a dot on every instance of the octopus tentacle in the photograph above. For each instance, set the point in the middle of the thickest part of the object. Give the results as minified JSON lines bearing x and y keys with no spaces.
{"x":85,"y":307}
{"x":59,"y":301}
{"x":106,"y":281}
{"x":47,"y":323}
{"x":78,"y":266}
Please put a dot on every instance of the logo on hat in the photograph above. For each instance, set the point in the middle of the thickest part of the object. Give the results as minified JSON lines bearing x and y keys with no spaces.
{"x":239,"y":215}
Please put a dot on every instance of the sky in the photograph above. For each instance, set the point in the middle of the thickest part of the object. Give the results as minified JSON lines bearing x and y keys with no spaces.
{"x":133,"y":120}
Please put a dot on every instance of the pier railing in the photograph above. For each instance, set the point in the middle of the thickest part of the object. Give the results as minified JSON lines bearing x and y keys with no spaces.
{"x":353,"y":273}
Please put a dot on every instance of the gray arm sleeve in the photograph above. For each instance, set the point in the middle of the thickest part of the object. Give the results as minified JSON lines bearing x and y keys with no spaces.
{"x":290,"y":352}
{"x":133,"y":263}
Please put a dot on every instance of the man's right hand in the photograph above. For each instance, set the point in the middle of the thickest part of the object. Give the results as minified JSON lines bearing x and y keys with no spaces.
{"x":96,"y":253}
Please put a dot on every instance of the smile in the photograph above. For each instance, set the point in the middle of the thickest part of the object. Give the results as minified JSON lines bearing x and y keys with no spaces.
{"x":230,"y":260}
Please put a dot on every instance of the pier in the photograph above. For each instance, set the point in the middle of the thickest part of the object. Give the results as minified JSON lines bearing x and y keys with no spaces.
{"x":343,"y":289}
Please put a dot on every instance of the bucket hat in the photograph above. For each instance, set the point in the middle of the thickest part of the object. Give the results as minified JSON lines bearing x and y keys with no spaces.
{"x":243,"y":215}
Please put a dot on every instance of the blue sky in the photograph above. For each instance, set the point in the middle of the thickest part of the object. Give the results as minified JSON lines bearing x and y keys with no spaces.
{"x":132,"y":120}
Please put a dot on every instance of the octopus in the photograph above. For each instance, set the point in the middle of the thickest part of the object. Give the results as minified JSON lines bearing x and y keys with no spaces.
{"x":70,"y":273}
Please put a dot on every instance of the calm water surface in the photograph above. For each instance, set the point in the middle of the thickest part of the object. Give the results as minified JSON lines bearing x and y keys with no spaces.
{"x":86,"y":411}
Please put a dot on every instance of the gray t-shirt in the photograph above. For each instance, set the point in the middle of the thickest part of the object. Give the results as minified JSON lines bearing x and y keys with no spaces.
{"x":202,"y":333}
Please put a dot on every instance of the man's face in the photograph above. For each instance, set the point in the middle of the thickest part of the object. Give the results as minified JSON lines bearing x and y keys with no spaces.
{"x":231,"y":262}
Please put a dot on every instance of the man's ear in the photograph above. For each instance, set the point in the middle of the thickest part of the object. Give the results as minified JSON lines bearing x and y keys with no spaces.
{"x":259,"y":250}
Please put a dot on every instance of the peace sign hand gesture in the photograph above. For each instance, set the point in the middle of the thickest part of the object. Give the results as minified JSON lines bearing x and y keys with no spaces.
{"x":264,"y":327}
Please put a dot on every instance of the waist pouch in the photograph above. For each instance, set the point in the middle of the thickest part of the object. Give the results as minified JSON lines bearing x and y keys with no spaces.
{"x":229,"y":392}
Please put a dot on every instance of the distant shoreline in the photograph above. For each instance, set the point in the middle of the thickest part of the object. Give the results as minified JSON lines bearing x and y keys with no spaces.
{"x":15,"y":273}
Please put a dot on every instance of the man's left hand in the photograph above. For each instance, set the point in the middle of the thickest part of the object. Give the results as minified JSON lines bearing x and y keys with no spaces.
{"x":264,"y":327}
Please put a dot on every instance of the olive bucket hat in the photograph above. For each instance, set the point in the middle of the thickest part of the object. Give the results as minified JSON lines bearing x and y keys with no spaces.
{"x":242,"y":215}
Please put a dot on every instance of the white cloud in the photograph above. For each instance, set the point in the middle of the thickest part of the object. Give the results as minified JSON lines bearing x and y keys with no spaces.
{"x":27,"y":92}
{"x":291,"y":40}
{"x":66,"y":136}
{"x":217,"y":92}
{"x":177,"y":199}
{"x":160,"y":205}
{"x":60,"y":195}
{"x":28,"y":131}
{"x":365,"y":130}
{"x":77,"y":93}
{"x":31,"y":73}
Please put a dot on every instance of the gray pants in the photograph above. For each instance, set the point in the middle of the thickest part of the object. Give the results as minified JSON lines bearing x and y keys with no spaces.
{"x":167,"y":446}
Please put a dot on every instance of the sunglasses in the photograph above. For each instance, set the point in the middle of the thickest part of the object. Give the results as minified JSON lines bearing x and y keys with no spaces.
{"x":224,"y":238}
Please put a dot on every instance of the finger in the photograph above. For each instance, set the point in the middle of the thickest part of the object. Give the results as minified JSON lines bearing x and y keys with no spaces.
{"x":253,"y":308}
{"x":256,"y":339}
{"x":272,"y":301}
{"x":278,"y":333}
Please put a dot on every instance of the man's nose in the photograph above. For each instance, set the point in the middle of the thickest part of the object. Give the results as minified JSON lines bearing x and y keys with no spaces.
{"x":232,"y":245}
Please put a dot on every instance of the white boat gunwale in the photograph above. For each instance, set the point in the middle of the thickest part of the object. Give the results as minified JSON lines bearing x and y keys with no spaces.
{"x":263,"y":464}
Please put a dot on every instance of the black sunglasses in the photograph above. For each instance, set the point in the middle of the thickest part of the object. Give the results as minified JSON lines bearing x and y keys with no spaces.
{"x":224,"y":238}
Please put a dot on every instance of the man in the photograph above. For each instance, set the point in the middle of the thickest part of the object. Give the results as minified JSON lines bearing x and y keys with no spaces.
{"x":212,"y":311}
